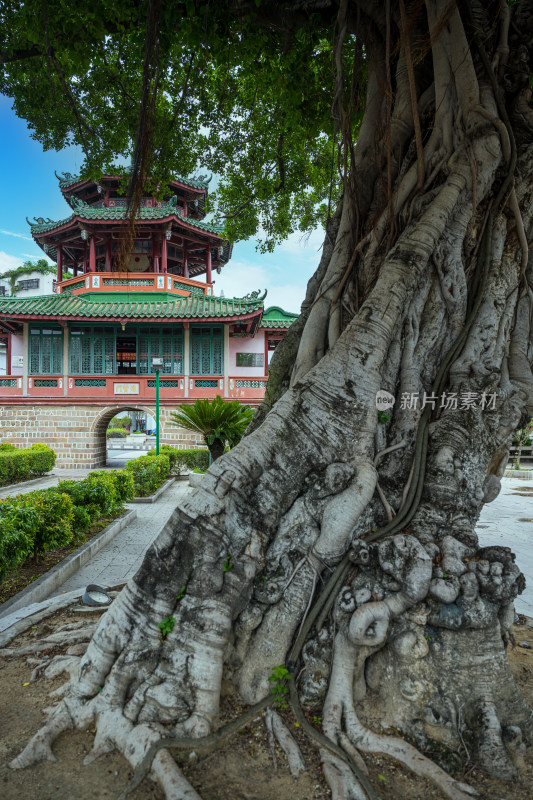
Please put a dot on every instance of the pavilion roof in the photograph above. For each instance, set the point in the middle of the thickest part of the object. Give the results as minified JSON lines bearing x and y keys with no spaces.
{"x":66,"y":179}
{"x":83,"y":211}
{"x":276,"y":317}
{"x":125,"y":306}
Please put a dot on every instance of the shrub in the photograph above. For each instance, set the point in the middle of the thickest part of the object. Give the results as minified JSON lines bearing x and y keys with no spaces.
{"x":56,"y":514}
{"x":167,"y":450}
{"x":37,"y":521}
{"x":192,"y":459}
{"x":98,"y":489}
{"x":6,"y":446}
{"x":148,"y":472}
{"x":124,"y":484}
{"x":18,"y":524}
{"x":116,"y":433}
{"x":17,"y":464}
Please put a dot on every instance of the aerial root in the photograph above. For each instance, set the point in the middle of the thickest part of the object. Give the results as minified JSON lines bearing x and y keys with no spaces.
{"x":277,"y":728}
{"x":205,"y":744}
{"x":60,"y":638}
{"x":491,"y":750}
{"x":400,"y":750}
{"x":39,"y":748}
{"x":340,"y":778}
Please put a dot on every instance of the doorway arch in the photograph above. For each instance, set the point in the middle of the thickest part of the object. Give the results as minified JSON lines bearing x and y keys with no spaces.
{"x":100,"y":425}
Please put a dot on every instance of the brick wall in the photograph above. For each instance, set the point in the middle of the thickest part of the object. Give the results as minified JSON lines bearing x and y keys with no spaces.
{"x":77,"y":432}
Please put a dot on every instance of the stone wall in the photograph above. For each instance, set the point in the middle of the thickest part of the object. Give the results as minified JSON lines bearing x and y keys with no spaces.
{"x":77,"y":432}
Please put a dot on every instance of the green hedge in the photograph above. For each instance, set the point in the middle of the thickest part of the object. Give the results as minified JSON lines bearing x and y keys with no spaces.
{"x":192,"y":459}
{"x":22,"y":464}
{"x":33,"y":522}
{"x":170,"y":452}
{"x":50,"y":518}
{"x":148,"y":472}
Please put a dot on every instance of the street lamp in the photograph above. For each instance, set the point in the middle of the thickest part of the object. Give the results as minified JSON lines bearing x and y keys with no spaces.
{"x":157,"y":363}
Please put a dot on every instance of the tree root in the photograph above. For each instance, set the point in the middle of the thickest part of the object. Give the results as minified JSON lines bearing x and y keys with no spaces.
{"x":287,"y":743}
{"x":61,"y":638}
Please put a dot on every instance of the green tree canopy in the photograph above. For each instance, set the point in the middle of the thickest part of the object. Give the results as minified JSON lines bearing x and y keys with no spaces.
{"x":213,"y":88}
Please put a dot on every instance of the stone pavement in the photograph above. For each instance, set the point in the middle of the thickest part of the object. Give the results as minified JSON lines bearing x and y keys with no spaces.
{"x":121,"y":558}
{"x":508,"y":522}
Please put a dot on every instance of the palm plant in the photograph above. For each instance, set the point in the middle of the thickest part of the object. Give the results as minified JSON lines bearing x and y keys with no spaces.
{"x":219,"y":422}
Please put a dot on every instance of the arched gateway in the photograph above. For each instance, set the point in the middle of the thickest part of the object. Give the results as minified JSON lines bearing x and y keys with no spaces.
{"x":77,"y":433}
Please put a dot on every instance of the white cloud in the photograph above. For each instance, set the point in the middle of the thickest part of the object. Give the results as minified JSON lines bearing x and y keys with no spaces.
{"x":18,"y":235}
{"x":9,"y":262}
{"x":242,"y":277}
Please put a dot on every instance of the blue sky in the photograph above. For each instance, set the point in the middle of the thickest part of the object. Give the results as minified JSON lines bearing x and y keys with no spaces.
{"x":31,"y":189}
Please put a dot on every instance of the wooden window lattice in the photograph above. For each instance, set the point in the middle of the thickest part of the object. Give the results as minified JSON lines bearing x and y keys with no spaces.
{"x":46,"y":351}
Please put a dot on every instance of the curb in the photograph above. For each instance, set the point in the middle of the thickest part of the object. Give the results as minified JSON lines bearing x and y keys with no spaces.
{"x":43,"y":587}
{"x":521,"y":475}
{"x":153,"y":497}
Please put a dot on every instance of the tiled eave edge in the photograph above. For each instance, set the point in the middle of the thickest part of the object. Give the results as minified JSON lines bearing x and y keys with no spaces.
{"x":129,"y":318}
{"x":88,"y":222}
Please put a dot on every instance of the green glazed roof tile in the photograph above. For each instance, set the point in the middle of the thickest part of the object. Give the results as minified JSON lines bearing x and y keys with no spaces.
{"x":276,"y":317}
{"x":122,"y":305}
{"x":88,"y":213}
{"x":66,"y":179}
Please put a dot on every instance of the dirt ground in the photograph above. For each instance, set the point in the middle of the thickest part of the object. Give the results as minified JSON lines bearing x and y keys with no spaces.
{"x":242,"y":770}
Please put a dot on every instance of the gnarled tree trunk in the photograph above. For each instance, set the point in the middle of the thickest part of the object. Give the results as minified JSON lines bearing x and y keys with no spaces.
{"x":424,"y":290}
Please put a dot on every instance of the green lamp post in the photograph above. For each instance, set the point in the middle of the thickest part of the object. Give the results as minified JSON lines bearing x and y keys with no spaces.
{"x":157,"y":363}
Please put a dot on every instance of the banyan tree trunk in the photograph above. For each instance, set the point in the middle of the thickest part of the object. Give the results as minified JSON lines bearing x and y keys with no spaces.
{"x":424,"y":291}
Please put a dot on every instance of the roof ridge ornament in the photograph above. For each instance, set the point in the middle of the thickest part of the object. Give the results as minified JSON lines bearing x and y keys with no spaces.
{"x":78,"y":203}
{"x":255,"y":296}
{"x":173,"y":201}
{"x":203,"y":178}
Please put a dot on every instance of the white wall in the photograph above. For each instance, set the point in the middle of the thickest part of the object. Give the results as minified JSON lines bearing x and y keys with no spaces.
{"x":3,"y":359}
{"x":17,"y":349}
{"x":249,"y":344}
{"x":45,"y":285}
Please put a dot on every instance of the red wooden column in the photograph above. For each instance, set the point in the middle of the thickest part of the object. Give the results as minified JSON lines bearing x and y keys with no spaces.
{"x":59,"y":262}
{"x":85,"y":257}
{"x":185,"y":261}
{"x":164,"y":254}
{"x":208,"y":266}
{"x":108,"y":255}
{"x":8,"y":354}
{"x":92,"y":255}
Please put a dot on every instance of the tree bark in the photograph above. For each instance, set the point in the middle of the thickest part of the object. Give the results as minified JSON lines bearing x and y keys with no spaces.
{"x":428,"y":294}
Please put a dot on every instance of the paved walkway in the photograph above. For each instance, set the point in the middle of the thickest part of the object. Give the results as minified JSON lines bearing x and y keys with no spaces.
{"x":120,"y":559}
{"x":508,"y":521}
